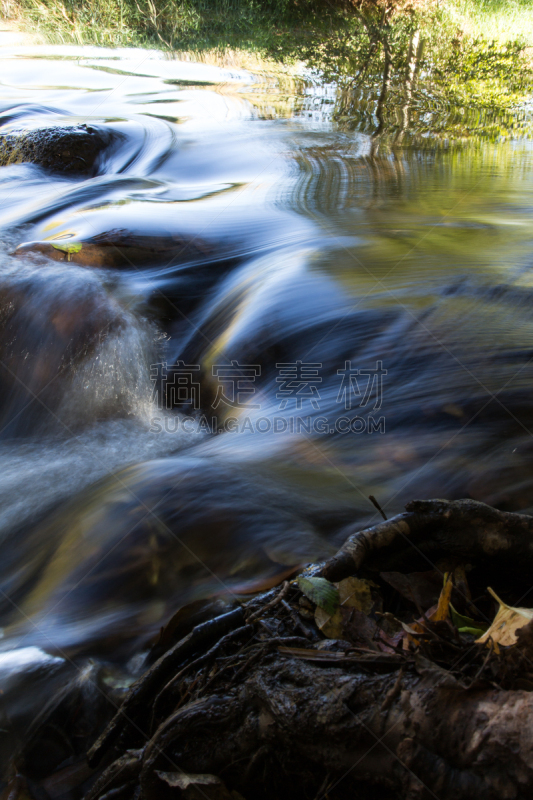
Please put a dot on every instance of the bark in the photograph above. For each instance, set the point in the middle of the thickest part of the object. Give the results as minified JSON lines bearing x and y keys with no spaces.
{"x":256,"y":703}
{"x":294,"y":725}
{"x":464,"y":529}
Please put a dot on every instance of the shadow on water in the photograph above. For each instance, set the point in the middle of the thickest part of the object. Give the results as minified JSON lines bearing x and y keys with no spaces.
{"x":260,"y":308}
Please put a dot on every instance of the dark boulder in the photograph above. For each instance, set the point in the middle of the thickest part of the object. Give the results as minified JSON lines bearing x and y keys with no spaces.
{"x":67,"y":149}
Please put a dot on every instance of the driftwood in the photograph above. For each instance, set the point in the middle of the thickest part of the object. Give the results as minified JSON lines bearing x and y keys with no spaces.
{"x":258,"y":703}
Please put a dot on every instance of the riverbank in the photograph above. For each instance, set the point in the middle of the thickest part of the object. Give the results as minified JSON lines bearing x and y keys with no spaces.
{"x":278,"y":26}
{"x":392,"y":684}
{"x":471,"y":62}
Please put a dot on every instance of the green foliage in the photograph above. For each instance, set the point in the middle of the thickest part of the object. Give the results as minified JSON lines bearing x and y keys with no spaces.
{"x":454,"y":83}
{"x":67,"y":247}
{"x":466,"y":624}
{"x":485,"y":60}
{"x":493,"y":20}
{"x":484,"y":74}
{"x":321,"y":592}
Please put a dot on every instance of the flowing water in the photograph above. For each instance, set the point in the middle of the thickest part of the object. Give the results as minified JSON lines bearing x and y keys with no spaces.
{"x":225,"y":334}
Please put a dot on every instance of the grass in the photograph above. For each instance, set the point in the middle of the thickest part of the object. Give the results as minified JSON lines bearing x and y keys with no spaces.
{"x":276,"y":28}
{"x":474,"y":53}
{"x":494,"y":20}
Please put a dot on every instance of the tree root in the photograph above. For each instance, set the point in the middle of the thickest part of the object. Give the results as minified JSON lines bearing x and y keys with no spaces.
{"x":429,"y":738}
{"x":159,"y":673}
{"x":245,"y":706}
{"x":465,"y":529}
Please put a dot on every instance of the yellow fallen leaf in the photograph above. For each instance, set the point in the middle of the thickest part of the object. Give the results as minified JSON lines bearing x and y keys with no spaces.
{"x":444,"y":601}
{"x":506,"y":623}
{"x":353,"y":593}
{"x":330,"y":624}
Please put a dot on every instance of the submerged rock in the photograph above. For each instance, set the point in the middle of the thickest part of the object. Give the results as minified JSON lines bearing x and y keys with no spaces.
{"x":67,"y":149}
{"x":119,"y":248}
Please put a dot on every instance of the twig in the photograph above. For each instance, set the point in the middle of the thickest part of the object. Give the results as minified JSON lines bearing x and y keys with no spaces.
{"x":393,"y":693}
{"x":279,"y":597}
{"x":377,"y":505}
{"x":297,"y":623}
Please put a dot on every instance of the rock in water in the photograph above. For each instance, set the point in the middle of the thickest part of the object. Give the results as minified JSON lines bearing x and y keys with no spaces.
{"x":120,"y":248}
{"x":72,"y":149}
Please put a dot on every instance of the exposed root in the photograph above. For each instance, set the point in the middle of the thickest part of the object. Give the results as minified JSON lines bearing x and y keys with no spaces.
{"x":262,"y":703}
{"x":465,"y":529}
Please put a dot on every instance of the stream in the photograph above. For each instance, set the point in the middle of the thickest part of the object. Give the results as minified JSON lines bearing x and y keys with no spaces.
{"x":223,"y":333}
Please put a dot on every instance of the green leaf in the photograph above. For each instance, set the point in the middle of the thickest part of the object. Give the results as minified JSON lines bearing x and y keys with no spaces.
{"x":72,"y":247}
{"x":477,"y":632}
{"x":466,"y":624}
{"x":321,"y":592}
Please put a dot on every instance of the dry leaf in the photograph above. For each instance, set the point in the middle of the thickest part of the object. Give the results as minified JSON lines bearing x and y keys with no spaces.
{"x":329,"y":624}
{"x":421,"y":588}
{"x":506,"y":623}
{"x":360,"y":629}
{"x":416,"y":627}
{"x":444,"y":601}
{"x":353,"y":593}
{"x":461,"y":582}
